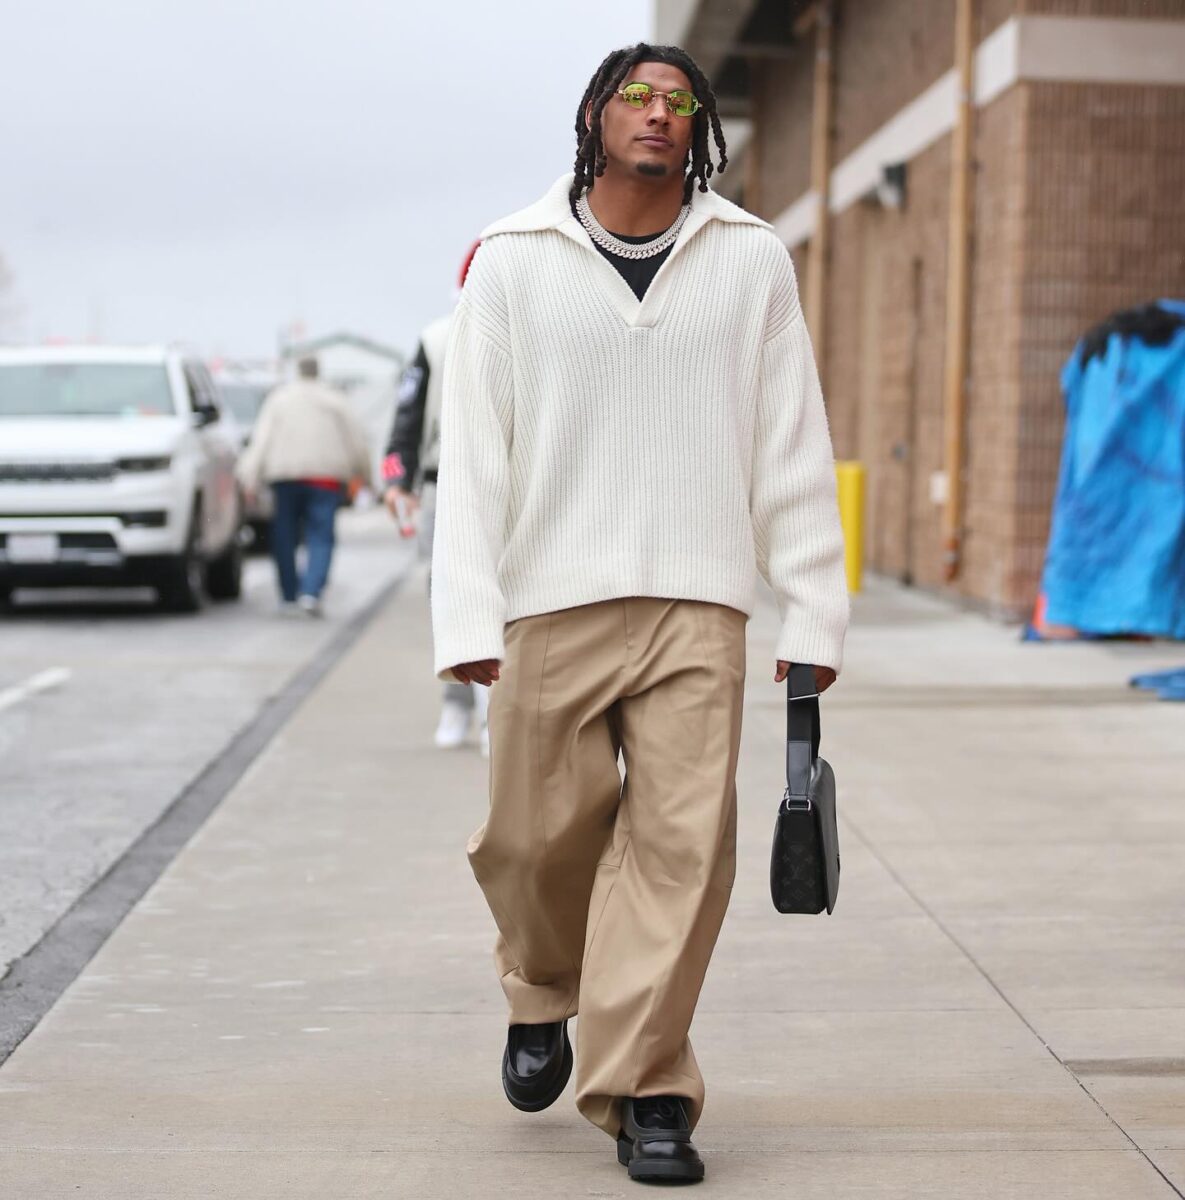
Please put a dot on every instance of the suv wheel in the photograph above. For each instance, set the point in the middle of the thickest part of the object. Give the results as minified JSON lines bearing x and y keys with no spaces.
{"x":224,"y":576}
{"x":182,"y":580}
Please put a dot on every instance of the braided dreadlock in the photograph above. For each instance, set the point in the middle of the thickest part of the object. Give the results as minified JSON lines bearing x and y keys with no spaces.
{"x":590,"y":150}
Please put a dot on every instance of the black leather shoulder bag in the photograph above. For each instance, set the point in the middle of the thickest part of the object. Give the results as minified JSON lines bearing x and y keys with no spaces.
{"x":804,"y":869}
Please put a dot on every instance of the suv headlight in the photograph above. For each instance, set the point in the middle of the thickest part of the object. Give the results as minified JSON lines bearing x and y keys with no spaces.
{"x":160,"y":462}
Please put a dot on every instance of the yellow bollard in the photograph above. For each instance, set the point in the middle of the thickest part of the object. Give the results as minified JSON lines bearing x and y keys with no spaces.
{"x":849,"y":479}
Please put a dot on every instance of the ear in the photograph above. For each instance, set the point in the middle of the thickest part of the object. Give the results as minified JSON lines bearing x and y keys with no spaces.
{"x":588,"y":115}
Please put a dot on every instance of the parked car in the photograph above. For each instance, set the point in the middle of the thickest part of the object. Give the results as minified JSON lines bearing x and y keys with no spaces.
{"x":243,"y":389}
{"x":116,"y":466}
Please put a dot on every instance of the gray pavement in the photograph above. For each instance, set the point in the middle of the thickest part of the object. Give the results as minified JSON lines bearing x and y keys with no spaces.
{"x":139,"y":703}
{"x":304,"y":1005}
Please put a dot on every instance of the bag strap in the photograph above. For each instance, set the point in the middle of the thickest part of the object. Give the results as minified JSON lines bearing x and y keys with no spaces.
{"x":802,"y":730}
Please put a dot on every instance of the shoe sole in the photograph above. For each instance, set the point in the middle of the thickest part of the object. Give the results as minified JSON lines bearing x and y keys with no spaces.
{"x":532,"y":1106}
{"x":669,"y":1172}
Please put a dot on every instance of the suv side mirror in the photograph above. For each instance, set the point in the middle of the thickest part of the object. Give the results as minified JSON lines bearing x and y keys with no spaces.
{"x":204,"y":416}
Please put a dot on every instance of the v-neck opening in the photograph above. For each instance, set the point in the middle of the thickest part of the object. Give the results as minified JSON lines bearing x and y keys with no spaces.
{"x":639,"y":273}
{"x":635,"y":313}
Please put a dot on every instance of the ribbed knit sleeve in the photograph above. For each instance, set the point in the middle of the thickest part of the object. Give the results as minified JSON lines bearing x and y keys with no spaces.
{"x":796,"y":527}
{"x":468,"y":606}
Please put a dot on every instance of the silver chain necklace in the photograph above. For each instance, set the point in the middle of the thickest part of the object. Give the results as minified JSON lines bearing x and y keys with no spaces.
{"x":615,"y":245}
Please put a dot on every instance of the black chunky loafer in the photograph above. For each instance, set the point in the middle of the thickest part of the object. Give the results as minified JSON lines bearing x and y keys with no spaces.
{"x":536,"y":1065}
{"x":655,"y":1141}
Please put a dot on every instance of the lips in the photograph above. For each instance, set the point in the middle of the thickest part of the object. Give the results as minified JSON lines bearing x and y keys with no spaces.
{"x":656,"y":141}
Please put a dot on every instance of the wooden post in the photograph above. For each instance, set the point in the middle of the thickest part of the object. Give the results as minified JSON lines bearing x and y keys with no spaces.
{"x":821,"y":120}
{"x":753,"y":191}
{"x":958,"y":289}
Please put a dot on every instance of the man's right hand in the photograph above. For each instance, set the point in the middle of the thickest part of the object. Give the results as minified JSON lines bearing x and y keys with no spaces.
{"x":395,"y":497}
{"x":485,"y":672}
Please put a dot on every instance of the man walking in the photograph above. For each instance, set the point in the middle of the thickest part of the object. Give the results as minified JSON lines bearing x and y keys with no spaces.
{"x":308,"y":445}
{"x":632,"y":429}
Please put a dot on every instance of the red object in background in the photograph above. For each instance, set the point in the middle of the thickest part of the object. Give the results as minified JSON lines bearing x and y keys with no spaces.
{"x":465,"y":264}
{"x":1044,"y":631}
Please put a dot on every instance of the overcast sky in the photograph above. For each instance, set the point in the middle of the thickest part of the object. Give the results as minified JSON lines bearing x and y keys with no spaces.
{"x":210,"y":170}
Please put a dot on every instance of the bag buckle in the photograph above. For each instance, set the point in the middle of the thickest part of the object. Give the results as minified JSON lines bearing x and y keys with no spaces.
{"x":792,"y":803}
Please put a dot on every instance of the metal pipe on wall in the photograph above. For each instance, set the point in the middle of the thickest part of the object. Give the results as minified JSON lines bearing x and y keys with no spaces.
{"x":821,"y":122}
{"x":958,"y":290}
{"x":754,"y":200}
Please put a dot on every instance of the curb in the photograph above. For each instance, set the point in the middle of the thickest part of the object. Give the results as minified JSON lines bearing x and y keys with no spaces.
{"x":37,"y":979}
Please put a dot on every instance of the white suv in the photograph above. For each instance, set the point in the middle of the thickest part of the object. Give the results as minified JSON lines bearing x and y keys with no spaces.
{"x":243,"y":389}
{"x":116,"y":466}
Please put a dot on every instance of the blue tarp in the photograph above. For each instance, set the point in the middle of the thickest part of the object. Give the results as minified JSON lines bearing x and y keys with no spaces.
{"x":1116,"y":557}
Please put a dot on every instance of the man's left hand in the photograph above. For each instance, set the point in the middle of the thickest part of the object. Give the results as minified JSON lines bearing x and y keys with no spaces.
{"x":824,"y":676}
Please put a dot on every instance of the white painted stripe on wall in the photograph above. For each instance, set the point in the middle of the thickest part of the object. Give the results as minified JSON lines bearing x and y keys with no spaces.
{"x":796,"y":223}
{"x":997,"y":61}
{"x":899,"y":139}
{"x":1102,"y":50}
{"x":1083,"y":49}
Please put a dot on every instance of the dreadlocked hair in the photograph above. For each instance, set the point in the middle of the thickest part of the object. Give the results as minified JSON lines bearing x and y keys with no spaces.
{"x":590,"y":150}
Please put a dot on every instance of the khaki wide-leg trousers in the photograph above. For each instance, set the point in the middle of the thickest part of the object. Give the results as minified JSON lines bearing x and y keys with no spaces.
{"x":609,"y":896}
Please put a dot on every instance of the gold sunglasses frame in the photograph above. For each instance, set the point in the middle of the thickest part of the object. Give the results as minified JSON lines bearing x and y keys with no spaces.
{"x":654,"y":93}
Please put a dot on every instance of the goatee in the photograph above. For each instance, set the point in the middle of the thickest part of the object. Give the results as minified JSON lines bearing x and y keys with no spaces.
{"x":655,"y":169}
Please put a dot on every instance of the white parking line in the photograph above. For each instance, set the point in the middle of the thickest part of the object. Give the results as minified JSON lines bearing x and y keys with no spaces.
{"x":41,"y":682}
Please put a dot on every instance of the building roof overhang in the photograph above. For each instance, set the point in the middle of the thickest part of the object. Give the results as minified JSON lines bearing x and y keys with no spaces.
{"x":727,"y":36}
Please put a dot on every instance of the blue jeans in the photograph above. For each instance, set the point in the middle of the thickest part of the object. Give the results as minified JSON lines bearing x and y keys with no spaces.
{"x":303,"y":512}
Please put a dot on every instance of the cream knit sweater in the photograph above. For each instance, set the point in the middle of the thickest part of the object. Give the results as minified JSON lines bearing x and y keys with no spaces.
{"x":596,"y":446}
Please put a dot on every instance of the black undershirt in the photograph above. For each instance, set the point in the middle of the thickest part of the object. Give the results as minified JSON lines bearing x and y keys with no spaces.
{"x":639,"y":273}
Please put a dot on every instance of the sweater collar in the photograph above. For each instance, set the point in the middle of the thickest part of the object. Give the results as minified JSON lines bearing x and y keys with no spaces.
{"x":552,"y":211}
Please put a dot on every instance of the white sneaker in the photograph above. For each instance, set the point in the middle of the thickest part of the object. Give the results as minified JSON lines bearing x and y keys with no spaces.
{"x":454,"y":726}
{"x":288,"y":608}
{"x":311,"y":606}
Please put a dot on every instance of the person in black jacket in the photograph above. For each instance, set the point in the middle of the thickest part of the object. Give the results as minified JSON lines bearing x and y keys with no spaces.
{"x":409,"y":492}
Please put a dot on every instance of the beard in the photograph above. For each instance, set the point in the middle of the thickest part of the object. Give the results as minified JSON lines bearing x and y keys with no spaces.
{"x":656,"y":170}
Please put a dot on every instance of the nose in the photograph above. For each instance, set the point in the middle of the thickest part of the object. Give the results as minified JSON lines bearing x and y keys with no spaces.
{"x":658,"y":115}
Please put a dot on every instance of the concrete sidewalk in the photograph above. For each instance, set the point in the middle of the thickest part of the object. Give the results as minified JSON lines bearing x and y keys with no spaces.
{"x":304,"y":1006}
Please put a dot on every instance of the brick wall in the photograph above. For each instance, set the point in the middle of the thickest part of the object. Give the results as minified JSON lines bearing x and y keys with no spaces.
{"x":988,"y":574}
{"x":912,"y":318}
{"x":886,"y":52}
{"x":781,"y":98}
{"x":840,"y":357}
{"x":1077,"y":212}
{"x":1104,"y":229}
{"x":995,"y":12}
{"x":883,"y":363}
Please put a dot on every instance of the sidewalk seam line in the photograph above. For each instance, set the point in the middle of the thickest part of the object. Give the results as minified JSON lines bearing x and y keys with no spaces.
{"x":954,"y":940}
